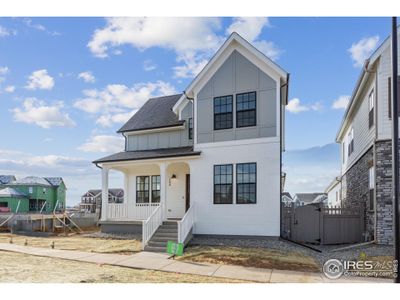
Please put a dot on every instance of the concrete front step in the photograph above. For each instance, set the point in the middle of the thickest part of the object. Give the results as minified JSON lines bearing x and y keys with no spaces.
{"x":155,"y":249}
{"x":158,"y":244}
{"x":163,"y":239}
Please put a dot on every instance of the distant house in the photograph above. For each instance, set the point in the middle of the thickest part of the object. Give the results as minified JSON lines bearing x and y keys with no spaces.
{"x":287,"y":199}
{"x":301,"y":199}
{"x":334,"y":193}
{"x":91,"y":200}
{"x":34,"y":194}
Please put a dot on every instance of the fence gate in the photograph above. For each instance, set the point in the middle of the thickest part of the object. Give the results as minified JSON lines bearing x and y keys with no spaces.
{"x":306,"y":224}
{"x":316,"y":224}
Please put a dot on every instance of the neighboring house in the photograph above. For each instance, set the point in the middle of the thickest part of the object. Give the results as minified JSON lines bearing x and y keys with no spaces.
{"x":35,"y":194}
{"x":334,"y":193}
{"x":301,"y":199}
{"x":209,"y":158}
{"x":91,"y":200}
{"x":6,"y":179}
{"x":366,"y":152}
{"x":287,"y":199}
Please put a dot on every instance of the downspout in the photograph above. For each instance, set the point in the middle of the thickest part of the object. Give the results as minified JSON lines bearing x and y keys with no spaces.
{"x":280,"y":150}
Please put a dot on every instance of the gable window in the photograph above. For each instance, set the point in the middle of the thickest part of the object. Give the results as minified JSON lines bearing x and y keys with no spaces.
{"x":371,"y":109}
{"x":371,"y":183}
{"x":142,"y":189}
{"x":246,"y":113}
{"x":190,"y":129}
{"x":350,"y":142}
{"x":246,"y":183}
{"x":223,"y":178}
{"x":155,"y":188}
{"x":223,"y":112}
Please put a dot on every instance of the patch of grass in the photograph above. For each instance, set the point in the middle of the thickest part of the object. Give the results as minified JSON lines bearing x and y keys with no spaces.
{"x":251,"y":257}
{"x":17,"y":267}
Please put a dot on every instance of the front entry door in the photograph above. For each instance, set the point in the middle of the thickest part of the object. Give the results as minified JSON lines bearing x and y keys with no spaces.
{"x":187,"y":191}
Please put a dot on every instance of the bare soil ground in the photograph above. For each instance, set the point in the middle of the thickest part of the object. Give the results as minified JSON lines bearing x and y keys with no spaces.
{"x":252,"y":257}
{"x":16,"y":267}
{"x":76,"y":242}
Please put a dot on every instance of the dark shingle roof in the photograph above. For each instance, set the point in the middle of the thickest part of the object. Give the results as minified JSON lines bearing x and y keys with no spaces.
{"x":54,"y":181}
{"x":148,"y":154}
{"x":155,"y":113}
{"x":5,"y":179}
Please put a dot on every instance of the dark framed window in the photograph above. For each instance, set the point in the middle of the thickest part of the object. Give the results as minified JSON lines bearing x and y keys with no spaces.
{"x":155,"y":188}
{"x":390,"y":97}
{"x":223,"y":107}
{"x":223,"y":184}
{"x":246,"y":109}
{"x":350,"y":142}
{"x":371,"y":104}
{"x":142,"y":189}
{"x":190,"y":123}
{"x":246,"y":183}
{"x":371,"y":184}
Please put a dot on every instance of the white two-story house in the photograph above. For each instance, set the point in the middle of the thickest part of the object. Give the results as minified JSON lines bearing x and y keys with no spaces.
{"x":366,"y":152}
{"x":208,"y":161}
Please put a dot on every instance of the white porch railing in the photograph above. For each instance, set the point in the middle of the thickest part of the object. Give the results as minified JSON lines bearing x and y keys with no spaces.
{"x":150,"y":225}
{"x":186,"y":224}
{"x":130,"y":211}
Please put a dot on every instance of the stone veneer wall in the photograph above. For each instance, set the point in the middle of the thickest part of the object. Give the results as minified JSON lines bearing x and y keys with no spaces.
{"x":355,"y":191}
{"x":384,"y":203}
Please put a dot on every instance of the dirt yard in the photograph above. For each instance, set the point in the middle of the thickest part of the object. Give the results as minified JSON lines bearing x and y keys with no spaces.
{"x":76,"y":242}
{"x":251,"y":257}
{"x":16,"y":267}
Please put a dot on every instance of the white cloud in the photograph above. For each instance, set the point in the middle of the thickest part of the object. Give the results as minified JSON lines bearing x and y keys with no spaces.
{"x":87,"y":77}
{"x":117,"y":102}
{"x":341,"y":102}
{"x":149,"y":65}
{"x":250,"y":28}
{"x":6,"y":32}
{"x":362,"y":49}
{"x":45,"y":115}
{"x":10,"y":88}
{"x":3,"y":72}
{"x":40,"y":79}
{"x":28,"y":22}
{"x":295,"y":106}
{"x":103,"y":143}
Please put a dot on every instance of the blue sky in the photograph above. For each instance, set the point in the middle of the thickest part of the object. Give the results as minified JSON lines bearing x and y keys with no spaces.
{"x":67,"y":84}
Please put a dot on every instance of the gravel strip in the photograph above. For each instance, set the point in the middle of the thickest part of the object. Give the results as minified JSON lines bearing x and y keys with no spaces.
{"x":115,"y":236}
{"x":282,"y":245}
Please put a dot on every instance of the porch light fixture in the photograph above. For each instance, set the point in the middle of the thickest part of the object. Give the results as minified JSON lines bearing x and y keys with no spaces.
{"x":172,"y":179}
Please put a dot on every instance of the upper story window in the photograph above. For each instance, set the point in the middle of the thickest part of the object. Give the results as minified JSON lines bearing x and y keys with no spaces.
{"x":190,"y":128}
{"x":350,"y":142}
{"x":223,"y":107}
{"x":371,"y":102}
{"x":371,"y":183}
{"x":246,"y":113}
{"x":30,"y":190}
{"x":246,"y":183}
{"x":390,"y":97}
{"x":223,"y":184}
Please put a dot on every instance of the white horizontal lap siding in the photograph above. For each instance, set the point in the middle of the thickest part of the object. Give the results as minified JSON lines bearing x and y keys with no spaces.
{"x":260,"y":219}
{"x":363,"y":135}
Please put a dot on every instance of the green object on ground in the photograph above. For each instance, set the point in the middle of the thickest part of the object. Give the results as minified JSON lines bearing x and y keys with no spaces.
{"x":175,"y":248}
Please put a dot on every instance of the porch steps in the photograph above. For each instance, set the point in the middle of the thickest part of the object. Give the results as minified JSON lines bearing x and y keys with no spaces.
{"x":168,"y":231}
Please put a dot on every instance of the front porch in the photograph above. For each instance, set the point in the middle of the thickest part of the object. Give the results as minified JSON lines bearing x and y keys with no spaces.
{"x":155,"y":192}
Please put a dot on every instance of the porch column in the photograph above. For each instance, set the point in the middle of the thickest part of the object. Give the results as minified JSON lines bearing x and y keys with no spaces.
{"x":104,"y":193}
{"x":163,"y":191}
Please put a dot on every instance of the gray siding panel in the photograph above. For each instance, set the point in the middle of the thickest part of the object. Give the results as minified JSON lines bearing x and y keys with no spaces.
{"x":237,"y":75}
{"x":167,"y":139}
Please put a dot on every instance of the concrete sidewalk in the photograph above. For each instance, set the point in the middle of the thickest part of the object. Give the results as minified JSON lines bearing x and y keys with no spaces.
{"x":163,"y":262}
